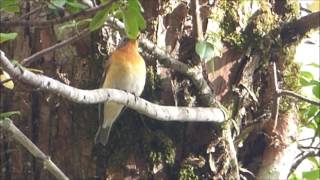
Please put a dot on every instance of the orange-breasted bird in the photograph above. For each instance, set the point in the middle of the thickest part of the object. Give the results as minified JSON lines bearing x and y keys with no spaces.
{"x":126,"y":70}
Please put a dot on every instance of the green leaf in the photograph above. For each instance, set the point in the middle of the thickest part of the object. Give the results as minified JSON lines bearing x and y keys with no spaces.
{"x":8,"y":114}
{"x":59,"y":3}
{"x":311,"y":175}
{"x":205,"y":50}
{"x":311,"y":111}
{"x":306,"y":74}
{"x":135,"y":4}
{"x":305,"y":78}
{"x":133,"y":19}
{"x":99,"y":19}
{"x":315,"y":162}
{"x":75,"y":7}
{"x":316,"y":91}
{"x":7,"y":37}
{"x":130,"y":23}
{"x":293,"y":176}
{"x":11,"y":6}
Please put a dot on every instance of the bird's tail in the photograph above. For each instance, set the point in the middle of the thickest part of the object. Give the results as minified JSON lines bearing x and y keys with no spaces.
{"x":102,"y":135}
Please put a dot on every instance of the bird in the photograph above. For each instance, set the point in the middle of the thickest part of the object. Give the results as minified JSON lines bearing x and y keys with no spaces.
{"x":126,"y":70}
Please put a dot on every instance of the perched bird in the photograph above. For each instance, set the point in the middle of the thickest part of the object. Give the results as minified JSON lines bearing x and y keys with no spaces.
{"x":126,"y":70}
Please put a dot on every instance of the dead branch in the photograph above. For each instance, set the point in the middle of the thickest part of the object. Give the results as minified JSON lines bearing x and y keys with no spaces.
{"x":7,"y":125}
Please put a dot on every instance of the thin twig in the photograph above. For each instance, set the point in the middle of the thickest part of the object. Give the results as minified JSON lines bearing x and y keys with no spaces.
{"x":299,"y":160}
{"x":164,"y":113}
{"x":32,"y":148}
{"x":31,"y":12}
{"x":32,"y":58}
{"x":300,"y":27}
{"x":282,"y":92}
{"x":84,"y":13}
{"x":276,"y":98}
{"x":308,"y":147}
{"x":196,"y":20}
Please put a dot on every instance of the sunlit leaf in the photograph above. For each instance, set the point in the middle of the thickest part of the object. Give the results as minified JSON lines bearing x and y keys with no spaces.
{"x":316,"y":91}
{"x":311,"y":175}
{"x":305,"y":78}
{"x":7,"y":37}
{"x":293,"y":176}
{"x":314,"y":6}
{"x":314,"y":161}
{"x":205,"y":50}
{"x":4,"y":77}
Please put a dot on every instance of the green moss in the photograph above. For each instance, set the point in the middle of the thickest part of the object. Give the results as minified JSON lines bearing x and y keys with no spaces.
{"x":152,"y":84}
{"x":290,"y":75}
{"x":187,"y":172}
{"x":291,"y":10}
{"x":259,"y":26}
{"x":161,"y":149}
{"x":230,"y":23}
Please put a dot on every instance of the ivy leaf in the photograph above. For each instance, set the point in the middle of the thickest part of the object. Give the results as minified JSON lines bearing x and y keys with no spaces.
{"x":7,"y":37}
{"x":205,"y":50}
{"x":99,"y":19}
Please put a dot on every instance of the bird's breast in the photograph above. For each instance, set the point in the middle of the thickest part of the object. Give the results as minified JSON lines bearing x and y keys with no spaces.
{"x":126,"y":75}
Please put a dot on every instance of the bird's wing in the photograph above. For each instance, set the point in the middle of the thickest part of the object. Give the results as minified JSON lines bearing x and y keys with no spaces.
{"x":104,"y":74}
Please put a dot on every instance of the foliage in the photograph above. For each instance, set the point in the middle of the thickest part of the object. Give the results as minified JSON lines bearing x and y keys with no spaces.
{"x":6,"y":80}
{"x":72,"y":6}
{"x":205,"y":50}
{"x":310,"y":114}
{"x":8,"y":114}
{"x":127,"y":10}
{"x":130,"y":13}
{"x":11,"y":6}
{"x":7,"y":37}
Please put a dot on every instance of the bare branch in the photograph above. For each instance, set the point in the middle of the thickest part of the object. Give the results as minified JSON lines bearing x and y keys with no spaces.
{"x":32,"y":58}
{"x":300,"y":27}
{"x":276,"y":98}
{"x":196,"y":20}
{"x":303,"y":157}
{"x":32,"y":148}
{"x":85,"y":13}
{"x":282,"y":92}
{"x":164,"y":113}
